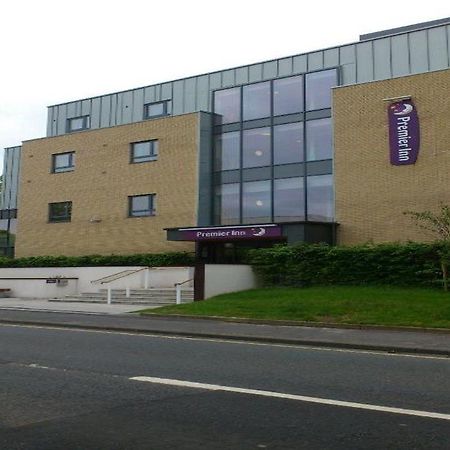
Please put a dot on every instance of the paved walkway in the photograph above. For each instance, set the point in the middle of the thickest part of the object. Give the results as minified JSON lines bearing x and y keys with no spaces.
{"x":46,"y":305}
{"x":113,"y":319}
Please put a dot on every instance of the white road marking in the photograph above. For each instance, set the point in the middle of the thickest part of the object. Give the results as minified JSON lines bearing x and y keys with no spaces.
{"x":230,"y":341}
{"x":301,"y":398}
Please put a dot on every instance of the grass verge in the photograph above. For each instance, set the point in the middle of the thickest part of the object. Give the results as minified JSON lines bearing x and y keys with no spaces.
{"x":364,"y":305}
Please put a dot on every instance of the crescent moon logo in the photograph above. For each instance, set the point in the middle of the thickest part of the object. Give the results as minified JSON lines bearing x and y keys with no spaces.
{"x":261,"y":232}
{"x":407,"y":108}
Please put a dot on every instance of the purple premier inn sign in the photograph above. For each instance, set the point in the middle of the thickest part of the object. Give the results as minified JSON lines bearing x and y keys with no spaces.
{"x":231,"y":233}
{"x":404,"y":132}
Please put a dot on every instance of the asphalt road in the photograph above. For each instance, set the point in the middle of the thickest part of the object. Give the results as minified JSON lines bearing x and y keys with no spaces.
{"x":75,"y":389}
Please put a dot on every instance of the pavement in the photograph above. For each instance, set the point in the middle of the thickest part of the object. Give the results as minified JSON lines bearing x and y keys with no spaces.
{"x":117,"y":318}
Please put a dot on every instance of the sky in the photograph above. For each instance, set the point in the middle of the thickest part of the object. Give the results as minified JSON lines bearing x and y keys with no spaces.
{"x":57,"y":51}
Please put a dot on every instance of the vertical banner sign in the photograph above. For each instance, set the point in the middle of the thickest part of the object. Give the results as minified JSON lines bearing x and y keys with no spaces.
{"x":404,"y":132}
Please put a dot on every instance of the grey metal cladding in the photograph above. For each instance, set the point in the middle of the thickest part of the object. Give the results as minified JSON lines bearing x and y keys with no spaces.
{"x":299,"y":64}
{"x":255,"y":72}
{"x":400,"y":55}
{"x":178,"y":100}
{"x":241,"y":75}
{"x":138,"y":105}
{"x":50,"y":120}
{"x":228,"y":78}
{"x":190,"y":95}
{"x":270,"y":70}
{"x":105,"y":117}
{"x":165,"y":91}
{"x":11,"y":173}
{"x":315,"y":61}
{"x":215,"y":81}
{"x":386,"y":56}
{"x":364,"y":62}
{"x":382,"y":59}
{"x":438,"y":43}
{"x":203,"y":93}
{"x":418,"y":44}
{"x":62,"y":118}
{"x":331,"y":58}
{"x":95,"y":112}
{"x":150,"y":94}
{"x":285,"y":67}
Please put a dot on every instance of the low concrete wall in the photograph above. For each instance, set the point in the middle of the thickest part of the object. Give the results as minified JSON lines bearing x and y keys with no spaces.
{"x":223,"y":278}
{"x":39,"y":288}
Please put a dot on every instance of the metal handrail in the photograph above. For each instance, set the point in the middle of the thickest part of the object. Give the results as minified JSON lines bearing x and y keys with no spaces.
{"x":125,"y":273}
{"x":178,"y":290}
{"x":182,"y":282}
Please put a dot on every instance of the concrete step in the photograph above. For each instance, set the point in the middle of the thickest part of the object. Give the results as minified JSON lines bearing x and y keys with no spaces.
{"x":114,"y":301}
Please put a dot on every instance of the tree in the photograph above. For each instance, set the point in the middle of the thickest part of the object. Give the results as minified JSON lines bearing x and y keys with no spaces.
{"x":439,"y":224}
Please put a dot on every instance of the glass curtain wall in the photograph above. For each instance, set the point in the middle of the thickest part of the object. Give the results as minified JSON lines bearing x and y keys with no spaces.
{"x":273,"y":149}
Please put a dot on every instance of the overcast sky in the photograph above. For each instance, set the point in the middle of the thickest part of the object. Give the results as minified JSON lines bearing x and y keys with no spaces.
{"x":56,"y":51}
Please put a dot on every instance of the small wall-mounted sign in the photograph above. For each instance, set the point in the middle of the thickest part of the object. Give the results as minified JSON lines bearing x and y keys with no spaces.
{"x":404,"y":132}
{"x":51,"y":281}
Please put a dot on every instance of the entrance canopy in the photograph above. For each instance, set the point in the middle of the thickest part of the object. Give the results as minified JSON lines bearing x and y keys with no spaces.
{"x":226,"y":233}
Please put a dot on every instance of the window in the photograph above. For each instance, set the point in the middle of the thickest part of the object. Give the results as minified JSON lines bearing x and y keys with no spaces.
{"x":227,"y":204}
{"x":63,"y":162}
{"x":78,"y":123}
{"x":288,"y":143}
{"x":256,"y":147}
{"x":288,"y":96}
{"x":227,"y":104}
{"x":141,"y":205}
{"x":318,"y":89}
{"x":318,"y":139}
{"x":144,"y":151}
{"x":289,"y":199}
{"x":227,"y":151}
{"x":60,"y":212}
{"x":256,"y":202}
{"x":320,"y":198}
{"x":256,"y":100}
{"x":158,"y":109}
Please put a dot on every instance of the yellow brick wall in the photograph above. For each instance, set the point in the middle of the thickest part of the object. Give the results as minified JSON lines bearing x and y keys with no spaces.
{"x":371,"y":194}
{"x":100,"y":185}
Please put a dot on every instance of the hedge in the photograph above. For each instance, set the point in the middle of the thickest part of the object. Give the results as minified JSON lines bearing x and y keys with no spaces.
{"x":152,"y":260}
{"x":410,"y":264}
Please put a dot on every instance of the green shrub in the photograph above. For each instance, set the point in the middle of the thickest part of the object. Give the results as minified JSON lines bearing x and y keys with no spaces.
{"x":320,"y":264}
{"x":152,"y":260}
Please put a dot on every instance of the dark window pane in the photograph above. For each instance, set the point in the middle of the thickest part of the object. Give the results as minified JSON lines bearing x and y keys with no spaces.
{"x":256,"y":147}
{"x":318,"y":139}
{"x":320,"y":198}
{"x":318,"y":89}
{"x":227,"y":151}
{"x":256,"y":202}
{"x":144,"y":151}
{"x":288,"y":143}
{"x":156,"y":109}
{"x":289,"y":200}
{"x":288,"y":96}
{"x":63,"y":162}
{"x":78,"y":123}
{"x":60,"y":212}
{"x":227,"y":204}
{"x":256,"y":99}
{"x":142,"y":205}
{"x":227,"y":104}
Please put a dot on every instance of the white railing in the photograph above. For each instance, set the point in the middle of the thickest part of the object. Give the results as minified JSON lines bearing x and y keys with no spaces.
{"x":178,"y":289}
{"x":122,"y":274}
